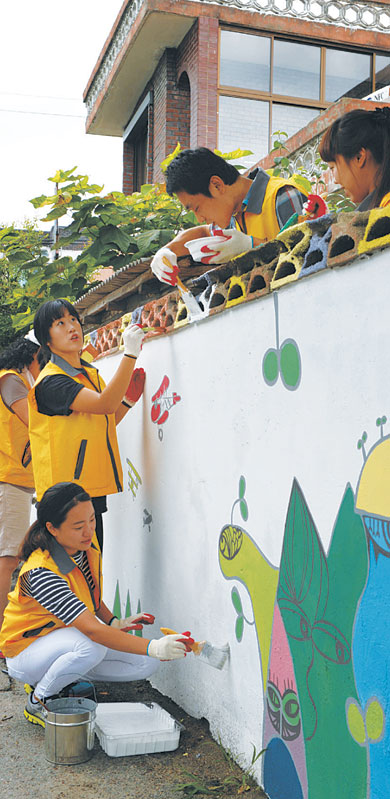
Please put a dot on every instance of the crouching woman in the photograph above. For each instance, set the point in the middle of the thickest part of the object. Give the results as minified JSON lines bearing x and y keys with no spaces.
{"x":56,"y":627}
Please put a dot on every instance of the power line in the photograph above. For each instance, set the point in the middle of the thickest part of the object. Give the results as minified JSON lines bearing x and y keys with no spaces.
{"x":41,"y":113}
{"x":41,"y":96}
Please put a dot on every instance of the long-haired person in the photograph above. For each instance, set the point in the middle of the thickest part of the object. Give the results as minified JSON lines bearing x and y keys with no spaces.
{"x":72,"y":413}
{"x":357,"y":149}
{"x":56,"y":626}
{"x":18,"y":370}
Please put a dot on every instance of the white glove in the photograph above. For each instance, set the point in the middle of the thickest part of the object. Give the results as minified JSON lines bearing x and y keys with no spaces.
{"x":132,"y":622}
{"x":170,"y":647}
{"x":165,"y":271}
{"x":133,"y":336}
{"x":223,"y":246}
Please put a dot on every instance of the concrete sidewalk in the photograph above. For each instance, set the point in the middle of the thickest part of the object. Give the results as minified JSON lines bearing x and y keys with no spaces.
{"x":26,"y":774}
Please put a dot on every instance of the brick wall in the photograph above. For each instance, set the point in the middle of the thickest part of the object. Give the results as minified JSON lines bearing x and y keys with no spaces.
{"x":198,"y":57}
{"x":128,"y":168}
{"x":185,"y":100}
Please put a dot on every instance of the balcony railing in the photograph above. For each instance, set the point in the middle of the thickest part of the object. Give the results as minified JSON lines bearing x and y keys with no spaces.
{"x":366,"y":16}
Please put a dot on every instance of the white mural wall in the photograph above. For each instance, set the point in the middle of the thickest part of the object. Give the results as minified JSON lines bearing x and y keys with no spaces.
{"x":219,"y":419}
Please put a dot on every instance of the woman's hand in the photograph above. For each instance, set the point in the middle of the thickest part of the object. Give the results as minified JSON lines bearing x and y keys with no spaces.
{"x":170,"y":647}
{"x":132,"y":622}
{"x":133,"y":337}
{"x":135,"y":387}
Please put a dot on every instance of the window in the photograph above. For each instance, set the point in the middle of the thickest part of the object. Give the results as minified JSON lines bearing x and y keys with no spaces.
{"x":382,"y":71}
{"x":267,"y":83}
{"x":245,"y":61}
{"x":243,"y":123}
{"x":296,"y":70}
{"x":347,"y":74}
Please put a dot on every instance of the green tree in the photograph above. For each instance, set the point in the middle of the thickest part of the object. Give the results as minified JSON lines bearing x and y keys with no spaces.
{"x":119,"y":229}
{"x":17,"y":247}
{"x":312,"y":180}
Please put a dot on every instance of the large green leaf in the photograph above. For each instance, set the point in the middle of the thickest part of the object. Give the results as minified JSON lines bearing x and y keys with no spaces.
{"x":113,"y":235}
{"x":56,"y":213}
{"x":19,"y":256}
{"x":60,"y":290}
{"x":303,"y":579}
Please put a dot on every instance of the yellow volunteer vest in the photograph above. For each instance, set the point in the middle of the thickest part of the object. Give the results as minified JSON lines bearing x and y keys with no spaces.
{"x":15,"y":455}
{"x":385,"y":200}
{"x":80,"y":448}
{"x":264,"y":223}
{"x":25,"y":619}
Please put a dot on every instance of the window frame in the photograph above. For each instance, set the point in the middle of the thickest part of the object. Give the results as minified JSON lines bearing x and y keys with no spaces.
{"x":224,"y":90}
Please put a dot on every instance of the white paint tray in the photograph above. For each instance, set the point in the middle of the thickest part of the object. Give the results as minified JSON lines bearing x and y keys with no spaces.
{"x":135,"y":728}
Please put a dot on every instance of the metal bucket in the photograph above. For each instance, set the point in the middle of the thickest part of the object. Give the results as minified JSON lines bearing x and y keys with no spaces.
{"x":69,"y":730}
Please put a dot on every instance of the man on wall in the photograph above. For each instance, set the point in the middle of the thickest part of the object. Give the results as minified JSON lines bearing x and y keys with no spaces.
{"x":239,"y":212}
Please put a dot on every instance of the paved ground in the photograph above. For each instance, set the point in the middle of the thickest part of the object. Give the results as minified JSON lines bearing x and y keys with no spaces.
{"x":26,"y":774}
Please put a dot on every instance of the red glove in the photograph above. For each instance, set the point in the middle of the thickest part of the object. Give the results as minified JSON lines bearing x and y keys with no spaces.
{"x":187,"y":641}
{"x":132,"y":622}
{"x":135,"y":387}
{"x":315,"y":206}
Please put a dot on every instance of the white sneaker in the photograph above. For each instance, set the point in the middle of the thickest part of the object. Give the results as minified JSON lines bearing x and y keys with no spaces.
{"x":34,"y":711}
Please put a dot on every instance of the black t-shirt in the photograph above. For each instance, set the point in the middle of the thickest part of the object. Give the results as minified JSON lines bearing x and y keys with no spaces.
{"x":54,"y":396}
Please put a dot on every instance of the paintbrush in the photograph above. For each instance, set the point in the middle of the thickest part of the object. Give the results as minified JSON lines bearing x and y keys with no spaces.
{"x":212,"y":655}
{"x":193,"y":307}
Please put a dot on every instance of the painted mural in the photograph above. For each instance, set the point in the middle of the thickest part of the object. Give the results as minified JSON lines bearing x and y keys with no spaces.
{"x":134,"y":480}
{"x":123,"y":612}
{"x":324,"y":677}
{"x":369,"y":720}
{"x":283,"y":360}
{"x":162,"y":403}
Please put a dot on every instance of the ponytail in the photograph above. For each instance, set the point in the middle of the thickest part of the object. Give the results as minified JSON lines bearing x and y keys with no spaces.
{"x":37,"y":537}
{"x":54,"y":507}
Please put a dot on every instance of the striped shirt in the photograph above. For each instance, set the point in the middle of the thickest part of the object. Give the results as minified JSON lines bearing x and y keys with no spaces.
{"x":53,"y":592}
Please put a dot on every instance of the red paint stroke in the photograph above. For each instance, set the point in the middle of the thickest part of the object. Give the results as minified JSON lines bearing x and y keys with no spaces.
{"x":162,"y":403}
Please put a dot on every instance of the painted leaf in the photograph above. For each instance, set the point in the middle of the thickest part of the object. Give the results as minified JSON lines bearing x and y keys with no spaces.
{"x":138,"y":633}
{"x":375,"y":720}
{"x":330,"y":642}
{"x":244,"y":509}
{"x":117,"y":602}
{"x":303,"y":575}
{"x":296,"y":623}
{"x":239,"y":628}
{"x":236,"y":599}
{"x":241,"y":487}
{"x":128,"y":605}
{"x":356,"y":723}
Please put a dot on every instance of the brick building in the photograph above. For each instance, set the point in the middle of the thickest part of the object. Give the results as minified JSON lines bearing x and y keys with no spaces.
{"x":229,"y":73}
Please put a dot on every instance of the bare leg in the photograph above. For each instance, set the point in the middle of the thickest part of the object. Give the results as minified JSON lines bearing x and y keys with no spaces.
{"x":8,"y":564}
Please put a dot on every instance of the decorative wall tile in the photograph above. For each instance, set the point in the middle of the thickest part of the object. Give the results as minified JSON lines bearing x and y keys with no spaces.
{"x":297,"y":252}
{"x":347,"y":231}
{"x":316,"y":256}
{"x":289,"y":265}
{"x":377,"y":233}
{"x":236,"y":289}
